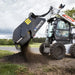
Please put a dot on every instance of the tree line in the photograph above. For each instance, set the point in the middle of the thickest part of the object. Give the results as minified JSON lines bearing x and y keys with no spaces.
{"x":6,"y":42}
{"x":10,"y":41}
{"x":71,"y":13}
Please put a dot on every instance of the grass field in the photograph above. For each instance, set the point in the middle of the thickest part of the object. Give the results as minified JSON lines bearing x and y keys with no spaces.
{"x":43,"y":66}
{"x":12,"y":69}
{"x":5,"y":53}
{"x":31,"y":45}
{"x":35,"y":45}
{"x":7,"y":46}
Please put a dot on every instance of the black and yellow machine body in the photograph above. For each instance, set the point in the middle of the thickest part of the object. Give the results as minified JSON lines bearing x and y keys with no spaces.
{"x":24,"y":32}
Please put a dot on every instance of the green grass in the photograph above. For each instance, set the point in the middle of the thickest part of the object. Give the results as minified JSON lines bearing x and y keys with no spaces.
{"x":35,"y":45}
{"x":7,"y":45}
{"x":5,"y":53}
{"x":51,"y":69}
{"x":13,"y":69}
{"x":31,"y":45}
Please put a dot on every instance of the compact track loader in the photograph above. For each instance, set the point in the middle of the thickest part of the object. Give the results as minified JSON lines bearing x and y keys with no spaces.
{"x":60,"y":34}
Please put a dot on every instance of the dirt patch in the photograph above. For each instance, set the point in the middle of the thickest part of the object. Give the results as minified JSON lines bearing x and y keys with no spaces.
{"x":43,"y":65}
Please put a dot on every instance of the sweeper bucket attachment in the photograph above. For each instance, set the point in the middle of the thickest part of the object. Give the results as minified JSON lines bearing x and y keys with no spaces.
{"x":25,"y":31}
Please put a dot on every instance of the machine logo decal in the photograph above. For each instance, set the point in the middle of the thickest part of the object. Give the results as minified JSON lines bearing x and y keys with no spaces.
{"x":41,"y":22}
{"x":69,"y":18}
{"x":27,"y":21}
{"x":37,"y":27}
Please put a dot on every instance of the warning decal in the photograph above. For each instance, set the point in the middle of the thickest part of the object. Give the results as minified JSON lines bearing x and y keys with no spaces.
{"x":27,"y":21}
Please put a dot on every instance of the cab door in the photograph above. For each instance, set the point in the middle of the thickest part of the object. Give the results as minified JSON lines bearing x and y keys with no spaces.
{"x":62,"y":31}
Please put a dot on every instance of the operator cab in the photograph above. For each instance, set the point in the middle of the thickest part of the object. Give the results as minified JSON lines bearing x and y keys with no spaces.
{"x":62,"y":31}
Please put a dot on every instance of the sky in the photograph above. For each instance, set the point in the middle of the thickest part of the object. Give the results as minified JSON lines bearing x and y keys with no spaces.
{"x":14,"y":12}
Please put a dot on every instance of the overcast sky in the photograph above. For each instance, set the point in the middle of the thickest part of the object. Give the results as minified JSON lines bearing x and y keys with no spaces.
{"x":14,"y":12}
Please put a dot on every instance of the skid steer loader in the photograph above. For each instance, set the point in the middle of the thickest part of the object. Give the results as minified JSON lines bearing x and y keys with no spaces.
{"x":59,"y":33}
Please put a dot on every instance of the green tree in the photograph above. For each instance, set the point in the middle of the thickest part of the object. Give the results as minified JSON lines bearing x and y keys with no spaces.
{"x":6,"y":42}
{"x":71,"y":13}
{"x":10,"y":42}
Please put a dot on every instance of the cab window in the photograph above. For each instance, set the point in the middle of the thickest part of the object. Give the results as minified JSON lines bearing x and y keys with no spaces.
{"x":62,"y":25}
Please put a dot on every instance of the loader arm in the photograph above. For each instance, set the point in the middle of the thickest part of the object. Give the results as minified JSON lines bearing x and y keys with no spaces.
{"x":55,"y":11}
{"x":66,"y":17}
